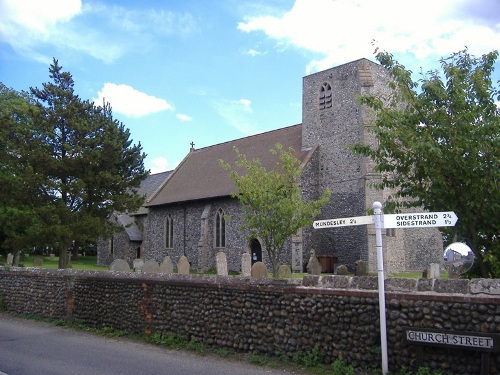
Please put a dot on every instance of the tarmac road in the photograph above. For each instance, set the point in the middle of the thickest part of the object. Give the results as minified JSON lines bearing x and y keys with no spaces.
{"x":35,"y":348}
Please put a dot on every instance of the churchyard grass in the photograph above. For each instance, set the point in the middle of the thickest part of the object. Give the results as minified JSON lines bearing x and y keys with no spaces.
{"x":82,"y":263}
{"x":90,"y":263}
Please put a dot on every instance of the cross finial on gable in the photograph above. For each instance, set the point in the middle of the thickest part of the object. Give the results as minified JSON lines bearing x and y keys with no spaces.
{"x":192,"y":146}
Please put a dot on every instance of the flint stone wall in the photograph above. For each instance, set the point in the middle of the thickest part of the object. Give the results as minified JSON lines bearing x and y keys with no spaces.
{"x":338,"y":314}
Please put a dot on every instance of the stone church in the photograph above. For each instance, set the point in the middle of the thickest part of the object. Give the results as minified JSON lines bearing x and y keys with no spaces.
{"x":191,"y":212}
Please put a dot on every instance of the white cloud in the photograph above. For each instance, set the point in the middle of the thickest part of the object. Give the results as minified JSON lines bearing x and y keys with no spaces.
{"x":252,"y":52}
{"x":37,"y":15}
{"x":343,"y":30}
{"x":105,"y":32}
{"x":244,"y":104}
{"x":237,"y":113}
{"x":159,"y":164}
{"x":131,"y":102}
{"x":183,"y":117}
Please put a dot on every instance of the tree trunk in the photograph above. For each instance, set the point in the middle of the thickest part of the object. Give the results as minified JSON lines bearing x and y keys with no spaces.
{"x":63,"y":257}
{"x":75,"y":251}
{"x":15,"y":259}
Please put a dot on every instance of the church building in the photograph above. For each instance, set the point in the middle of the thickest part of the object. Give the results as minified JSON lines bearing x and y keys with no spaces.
{"x":192,"y":213}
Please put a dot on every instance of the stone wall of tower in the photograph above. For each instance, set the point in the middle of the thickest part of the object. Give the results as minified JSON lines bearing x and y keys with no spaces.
{"x":333,"y":119}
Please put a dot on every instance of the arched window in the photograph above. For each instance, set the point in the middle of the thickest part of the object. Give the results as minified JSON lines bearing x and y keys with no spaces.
{"x":169,"y":232}
{"x":220,"y":229}
{"x":325,"y":96}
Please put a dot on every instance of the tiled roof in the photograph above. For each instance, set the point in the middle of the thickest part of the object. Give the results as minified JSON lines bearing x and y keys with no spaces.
{"x":149,"y":186}
{"x":128,"y":223}
{"x":200,"y":176}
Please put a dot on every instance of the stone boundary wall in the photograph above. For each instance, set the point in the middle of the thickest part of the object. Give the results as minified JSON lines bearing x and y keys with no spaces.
{"x":336,"y":314}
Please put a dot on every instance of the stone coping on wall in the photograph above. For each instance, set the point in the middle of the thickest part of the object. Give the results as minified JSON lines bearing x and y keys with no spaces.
{"x":359,"y":285}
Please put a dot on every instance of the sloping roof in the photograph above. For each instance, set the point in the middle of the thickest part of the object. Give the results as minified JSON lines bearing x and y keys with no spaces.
{"x":152,"y":182}
{"x":200,"y":176}
{"x":149,"y":186}
{"x":128,"y":223}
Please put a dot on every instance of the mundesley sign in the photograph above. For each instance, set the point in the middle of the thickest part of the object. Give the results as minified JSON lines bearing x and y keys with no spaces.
{"x":465,"y":340}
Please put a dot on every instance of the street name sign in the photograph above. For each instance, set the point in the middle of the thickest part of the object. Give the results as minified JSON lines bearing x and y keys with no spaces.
{"x":420,"y":220}
{"x":343,"y":222}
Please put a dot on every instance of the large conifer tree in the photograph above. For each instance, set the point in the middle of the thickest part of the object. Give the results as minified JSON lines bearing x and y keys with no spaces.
{"x":84,"y":166}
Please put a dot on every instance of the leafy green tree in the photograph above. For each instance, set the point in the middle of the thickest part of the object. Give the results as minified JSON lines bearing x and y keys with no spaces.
{"x":272,"y":201}
{"x":439,"y":145}
{"x":83,"y":164}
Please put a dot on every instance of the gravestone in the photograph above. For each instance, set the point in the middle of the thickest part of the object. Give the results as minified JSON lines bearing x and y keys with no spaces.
{"x":10,"y":259}
{"x":313,"y":266}
{"x":183,"y":266}
{"x":246,"y":265}
{"x":203,"y":259}
{"x":342,"y":270}
{"x":259,"y":269}
{"x":221,"y":263}
{"x":137,"y":264}
{"x":150,"y":266}
{"x":52,"y":257}
{"x":435,"y":270}
{"x":119,"y":265}
{"x":361,"y":268}
{"x":166,"y":265}
{"x":284,"y":272}
{"x":38,"y":262}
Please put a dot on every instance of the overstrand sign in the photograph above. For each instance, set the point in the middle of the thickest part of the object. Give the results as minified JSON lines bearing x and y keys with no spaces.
{"x":420,"y":220}
{"x":343,"y":222}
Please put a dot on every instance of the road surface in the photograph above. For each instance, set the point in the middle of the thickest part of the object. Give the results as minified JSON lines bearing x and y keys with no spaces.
{"x":33,"y":348}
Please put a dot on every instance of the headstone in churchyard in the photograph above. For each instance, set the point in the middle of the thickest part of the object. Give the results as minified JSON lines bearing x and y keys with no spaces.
{"x":246,"y":265}
{"x":119,"y":265}
{"x":37,"y":262}
{"x":166,"y":265}
{"x":259,"y":269}
{"x":313,"y":266}
{"x":183,"y":266}
{"x":52,"y":257}
{"x":361,"y":268}
{"x":435,"y":270}
{"x":10,"y":259}
{"x":221,"y":263}
{"x":137,"y":264}
{"x":342,"y":270}
{"x":284,"y":272}
{"x":203,"y":259}
{"x":150,"y":266}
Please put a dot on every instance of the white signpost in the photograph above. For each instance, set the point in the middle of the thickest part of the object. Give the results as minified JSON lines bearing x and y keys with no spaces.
{"x":381,"y":221}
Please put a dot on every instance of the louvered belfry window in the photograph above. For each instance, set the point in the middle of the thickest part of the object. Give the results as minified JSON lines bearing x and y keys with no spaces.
{"x":325,"y":96}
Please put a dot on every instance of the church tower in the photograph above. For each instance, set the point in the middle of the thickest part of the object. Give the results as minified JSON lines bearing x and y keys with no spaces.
{"x":332,"y":119}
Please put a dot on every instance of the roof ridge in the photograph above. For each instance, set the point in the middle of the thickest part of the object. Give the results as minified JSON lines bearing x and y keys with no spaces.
{"x":247,"y":137}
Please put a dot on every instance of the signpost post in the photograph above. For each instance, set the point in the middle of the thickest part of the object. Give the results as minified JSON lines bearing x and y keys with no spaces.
{"x":381,"y":221}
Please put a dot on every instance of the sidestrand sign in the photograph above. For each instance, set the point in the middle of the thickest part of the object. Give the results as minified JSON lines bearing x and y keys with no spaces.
{"x":419,"y":220}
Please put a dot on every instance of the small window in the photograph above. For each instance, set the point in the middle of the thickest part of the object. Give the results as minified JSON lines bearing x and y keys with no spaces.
{"x":220,"y":229}
{"x":169,"y":232}
{"x":325,"y":96}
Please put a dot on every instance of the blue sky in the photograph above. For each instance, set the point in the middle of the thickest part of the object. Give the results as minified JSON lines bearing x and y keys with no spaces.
{"x":210,"y":71}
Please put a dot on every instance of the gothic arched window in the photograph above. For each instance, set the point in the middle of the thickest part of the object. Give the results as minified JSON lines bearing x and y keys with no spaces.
{"x":220,"y":229}
{"x":169,"y":232}
{"x":325,"y":96}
